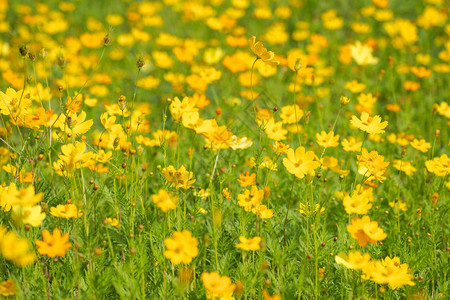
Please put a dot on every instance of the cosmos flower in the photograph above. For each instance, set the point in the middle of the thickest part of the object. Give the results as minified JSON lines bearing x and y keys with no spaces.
{"x":181,"y":247}
{"x":365,"y":231}
{"x":53,"y":245}
{"x":261,"y":52}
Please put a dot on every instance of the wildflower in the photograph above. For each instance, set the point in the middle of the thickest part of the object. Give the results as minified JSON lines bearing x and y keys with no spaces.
{"x":66,"y":211}
{"x":250,"y":198}
{"x":421,"y":72}
{"x":73,"y":157}
{"x":291,"y":114}
{"x":250,"y":244}
{"x":261,"y":52}
{"x":180,"y":178}
{"x":25,"y":197}
{"x":177,"y":107}
{"x":22,"y":215}
{"x":263,"y":212}
{"x":279,"y":147}
{"x":421,"y":145}
{"x":53,"y":245}
{"x":217,"y":287}
{"x":362,"y":54}
{"x":356,"y":204}
{"x":73,"y":105}
{"x":300,"y":163}
{"x":404,"y":166}
{"x":8,"y":288}
{"x":75,"y":124}
{"x":247,"y":180}
{"x":327,"y":140}
{"x":164,"y":200}
{"x":344,"y":100}
{"x":181,"y":247}
{"x":398,"y":205}
{"x":226,"y":193}
{"x":267,"y":296}
{"x":354,"y":260}
{"x":372,"y":165}
{"x":369,"y":124}
{"x":365,"y":231}
{"x":440,"y":166}
{"x":14,"y":103}
{"x":355,"y":86}
{"x":219,"y":137}
{"x":112,"y":221}
{"x":275,"y":131}
{"x":240,"y":143}
{"x":390,"y":271}
{"x":351,"y":145}
{"x":15,"y":249}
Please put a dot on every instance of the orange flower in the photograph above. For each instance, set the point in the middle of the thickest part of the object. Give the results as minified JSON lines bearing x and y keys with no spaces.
{"x":53,"y":245}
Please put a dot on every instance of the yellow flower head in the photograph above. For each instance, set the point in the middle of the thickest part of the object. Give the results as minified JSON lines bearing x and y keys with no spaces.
{"x":53,"y":245}
{"x":217,"y":287}
{"x":181,"y":247}
{"x":365,"y":231}
{"x":164,"y":200}
{"x":261,"y":52}
{"x":66,"y":211}
{"x":250,"y":244}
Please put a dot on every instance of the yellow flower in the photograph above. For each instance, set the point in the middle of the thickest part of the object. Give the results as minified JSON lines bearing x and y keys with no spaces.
{"x":356,"y":204}
{"x":291,"y":114}
{"x":250,"y":198}
{"x":53,"y":245}
{"x":66,"y":211}
{"x":15,"y":249}
{"x":372,"y":165}
{"x":275,"y":130}
{"x":354,"y":86}
{"x":421,"y":145}
{"x":73,"y":157}
{"x":164,"y":200}
{"x":392,"y":272}
{"x":14,"y":103}
{"x":369,"y":124}
{"x":75,"y":124}
{"x":440,"y":166}
{"x":250,"y":244}
{"x":8,"y":288}
{"x":327,"y":140}
{"x":25,"y":197}
{"x":354,"y":260}
{"x":300,"y":163}
{"x":365,"y":231}
{"x":27,"y":215}
{"x":178,"y":108}
{"x":263,"y":212}
{"x":181,"y":247}
{"x":217,"y":287}
{"x":404,"y":166}
{"x":180,"y":178}
{"x":247,"y":180}
{"x":112,"y":221}
{"x":351,"y":145}
{"x":362,"y":54}
{"x":261,"y":52}
{"x":218,"y":137}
